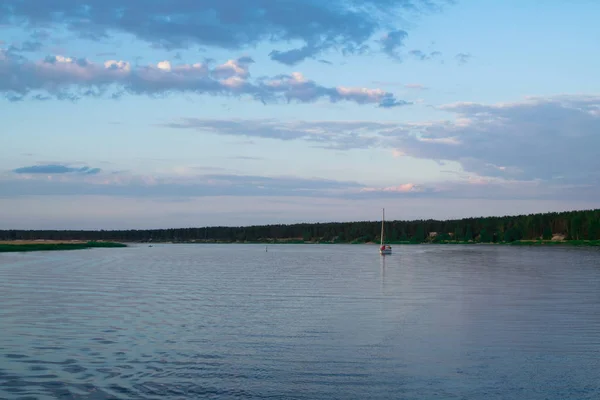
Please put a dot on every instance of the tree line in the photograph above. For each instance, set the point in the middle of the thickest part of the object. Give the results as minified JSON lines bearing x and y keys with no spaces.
{"x":573,"y":225}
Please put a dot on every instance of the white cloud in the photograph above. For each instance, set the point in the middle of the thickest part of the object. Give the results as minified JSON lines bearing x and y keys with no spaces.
{"x":233,"y":68}
{"x":445,"y":140}
{"x":164,"y":66}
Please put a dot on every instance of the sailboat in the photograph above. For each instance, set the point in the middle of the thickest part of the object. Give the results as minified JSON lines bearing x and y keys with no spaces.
{"x":384,"y":248}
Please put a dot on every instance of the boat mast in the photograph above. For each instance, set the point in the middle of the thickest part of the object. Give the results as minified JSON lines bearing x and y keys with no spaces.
{"x":382,"y":219}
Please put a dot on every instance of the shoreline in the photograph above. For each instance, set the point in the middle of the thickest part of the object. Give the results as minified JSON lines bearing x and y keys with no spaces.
{"x":14,"y":246}
{"x":579,"y":243}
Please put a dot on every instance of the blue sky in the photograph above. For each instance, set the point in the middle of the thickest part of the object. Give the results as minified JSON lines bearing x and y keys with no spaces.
{"x":161,"y":113}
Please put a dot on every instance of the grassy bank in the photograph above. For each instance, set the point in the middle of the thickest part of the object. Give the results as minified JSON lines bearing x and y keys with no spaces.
{"x":20,"y":246}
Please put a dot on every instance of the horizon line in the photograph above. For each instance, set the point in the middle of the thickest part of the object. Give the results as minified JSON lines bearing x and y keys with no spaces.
{"x":315,"y":223}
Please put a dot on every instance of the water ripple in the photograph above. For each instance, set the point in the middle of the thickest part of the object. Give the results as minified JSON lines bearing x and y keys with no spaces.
{"x":300,"y":322}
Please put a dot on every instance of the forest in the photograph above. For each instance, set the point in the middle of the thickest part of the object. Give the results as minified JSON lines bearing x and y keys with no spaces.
{"x":554,"y":226}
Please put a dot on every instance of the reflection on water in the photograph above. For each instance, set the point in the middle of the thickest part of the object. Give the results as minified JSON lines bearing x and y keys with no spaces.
{"x":301,"y":322}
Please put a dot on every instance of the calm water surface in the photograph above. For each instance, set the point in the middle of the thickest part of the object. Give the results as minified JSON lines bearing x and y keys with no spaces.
{"x":301,"y":322}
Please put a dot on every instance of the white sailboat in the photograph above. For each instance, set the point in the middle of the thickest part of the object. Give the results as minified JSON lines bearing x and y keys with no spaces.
{"x":383,"y":248}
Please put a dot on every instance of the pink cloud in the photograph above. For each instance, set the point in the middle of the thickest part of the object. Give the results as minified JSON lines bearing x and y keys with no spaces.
{"x":403,"y":188}
{"x":69,"y":77}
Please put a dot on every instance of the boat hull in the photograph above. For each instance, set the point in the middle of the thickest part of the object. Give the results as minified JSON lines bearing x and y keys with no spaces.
{"x":385,"y":252}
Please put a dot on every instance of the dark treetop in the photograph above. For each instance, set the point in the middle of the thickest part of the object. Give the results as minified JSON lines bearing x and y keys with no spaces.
{"x":571,"y":225}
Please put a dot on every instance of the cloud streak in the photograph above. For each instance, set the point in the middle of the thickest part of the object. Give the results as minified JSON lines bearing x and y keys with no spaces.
{"x":549,"y":139}
{"x":53,"y":169}
{"x":463,"y":58}
{"x":28,"y":182}
{"x":213,"y":185}
{"x":415,"y":86}
{"x":344,"y":25}
{"x":73,"y":78}
{"x":343,"y":135}
{"x":423,"y":56}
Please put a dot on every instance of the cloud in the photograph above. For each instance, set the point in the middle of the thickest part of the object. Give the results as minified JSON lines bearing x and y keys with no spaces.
{"x":392,"y":41}
{"x":553,"y":139}
{"x":397,"y":153}
{"x":233,"y":68}
{"x":415,"y":86}
{"x":463,"y":58}
{"x":26,"y":46}
{"x":178,"y":185}
{"x":122,"y":184}
{"x":34,"y":44}
{"x":403,"y":188}
{"x":70,"y":78}
{"x":249,"y":158}
{"x":297,"y":87}
{"x":229,"y":24}
{"x":52,"y":169}
{"x":422,"y":56}
{"x":331,"y":134}
{"x":294,"y":56}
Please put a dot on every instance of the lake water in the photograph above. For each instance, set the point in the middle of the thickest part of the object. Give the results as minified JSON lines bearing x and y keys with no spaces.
{"x":301,"y":322}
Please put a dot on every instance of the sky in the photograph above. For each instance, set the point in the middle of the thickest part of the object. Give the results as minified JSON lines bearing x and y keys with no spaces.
{"x":173,"y":113}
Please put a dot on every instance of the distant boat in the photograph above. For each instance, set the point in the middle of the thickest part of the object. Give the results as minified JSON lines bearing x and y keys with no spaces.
{"x":384,"y":248}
